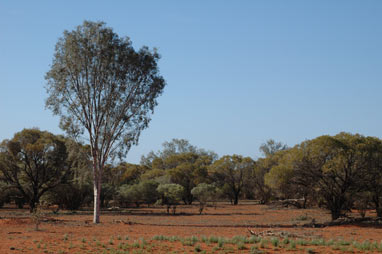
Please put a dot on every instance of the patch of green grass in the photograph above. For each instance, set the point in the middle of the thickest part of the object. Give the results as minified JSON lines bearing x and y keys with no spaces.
{"x":238,"y":238}
{"x":158,"y":238}
{"x":286,"y":241}
{"x":198,"y":248}
{"x":343,"y":243}
{"x":213,"y":239}
{"x":173,"y":239}
{"x":241,"y":246}
{"x":318,"y":242}
{"x":292,"y":245}
{"x":263,"y":243}
{"x":204,"y":239}
{"x":302,"y":217}
{"x":275,"y":242}
{"x":255,"y":250}
{"x":330,"y":242}
{"x":221,"y":242}
{"x":302,"y":242}
{"x":136,"y":244}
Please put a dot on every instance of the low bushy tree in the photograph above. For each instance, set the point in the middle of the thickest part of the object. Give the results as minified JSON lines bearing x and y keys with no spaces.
{"x":171,"y":195}
{"x":232,"y":173}
{"x":204,"y":193}
{"x":33,"y":162}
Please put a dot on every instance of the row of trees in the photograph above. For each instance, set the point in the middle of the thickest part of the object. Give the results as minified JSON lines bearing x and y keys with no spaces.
{"x":337,"y":172}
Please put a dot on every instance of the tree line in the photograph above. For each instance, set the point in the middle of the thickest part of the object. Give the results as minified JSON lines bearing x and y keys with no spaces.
{"x":338,"y":173}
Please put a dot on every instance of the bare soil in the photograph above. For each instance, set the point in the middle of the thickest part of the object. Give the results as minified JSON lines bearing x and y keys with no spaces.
{"x":137,"y":230}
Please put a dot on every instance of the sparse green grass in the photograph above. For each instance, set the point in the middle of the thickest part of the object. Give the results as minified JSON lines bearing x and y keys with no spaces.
{"x":241,"y":246}
{"x":292,"y":245}
{"x":214,"y":244}
{"x":302,"y":217}
{"x":275,"y":242}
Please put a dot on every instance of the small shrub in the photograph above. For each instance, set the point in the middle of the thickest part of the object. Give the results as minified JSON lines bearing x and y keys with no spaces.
{"x":221,"y":242}
{"x":194,"y":239}
{"x":302,"y":242}
{"x":241,"y":246}
{"x":302,"y":217}
{"x":255,"y":250}
{"x":343,"y":243}
{"x":253,"y":239}
{"x":198,"y":248}
{"x":292,"y":245}
{"x":213,"y":239}
{"x":263,"y":242}
{"x":275,"y":242}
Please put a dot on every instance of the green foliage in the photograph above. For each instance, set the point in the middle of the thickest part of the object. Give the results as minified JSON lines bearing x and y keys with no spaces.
{"x":170,"y":194}
{"x":130,"y":193}
{"x":271,"y":147}
{"x":33,"y":162}
{"x":4,"y":193}
{"x":198,"y":248}
{"x":143,"y":192}
{"x":204,"y":193}
{"x":69,"y":196}
{"x":181,"y":163}
{"x":232,"y":173}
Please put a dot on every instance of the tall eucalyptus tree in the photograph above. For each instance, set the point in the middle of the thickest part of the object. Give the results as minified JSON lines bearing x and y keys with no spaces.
{"x":104,"y":91}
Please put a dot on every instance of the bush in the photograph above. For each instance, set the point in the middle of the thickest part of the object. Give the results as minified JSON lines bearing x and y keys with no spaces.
{"x":170,"y":194}
{"x":69,"y":196}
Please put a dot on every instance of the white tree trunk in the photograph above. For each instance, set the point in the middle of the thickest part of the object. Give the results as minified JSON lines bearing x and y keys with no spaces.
{"x":97,"y":199}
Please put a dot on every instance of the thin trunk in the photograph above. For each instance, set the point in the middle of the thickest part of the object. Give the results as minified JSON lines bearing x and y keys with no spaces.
{"x":97,"y":200}
{"x":32,"y":205}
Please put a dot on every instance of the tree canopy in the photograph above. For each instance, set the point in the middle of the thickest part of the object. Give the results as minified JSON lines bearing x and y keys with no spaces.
{"x":33,"y":162}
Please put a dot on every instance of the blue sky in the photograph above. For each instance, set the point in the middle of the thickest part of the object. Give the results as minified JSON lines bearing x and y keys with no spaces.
{"x":238,"y":72}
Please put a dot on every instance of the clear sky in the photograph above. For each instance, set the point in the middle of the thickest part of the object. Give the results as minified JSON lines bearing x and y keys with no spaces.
{"x":238,"y":72}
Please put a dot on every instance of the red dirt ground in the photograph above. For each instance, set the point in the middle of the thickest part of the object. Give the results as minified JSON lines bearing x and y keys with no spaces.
{"x":75,"y":233}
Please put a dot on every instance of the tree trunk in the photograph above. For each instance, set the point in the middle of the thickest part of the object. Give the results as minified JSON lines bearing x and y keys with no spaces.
{"x":97,"y":200}
{"x":304,"y":202}
{"x":236,"y":201}
{"x":378,"y":209}
{"x":32,"y":205}
{"x":335,"y":212}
